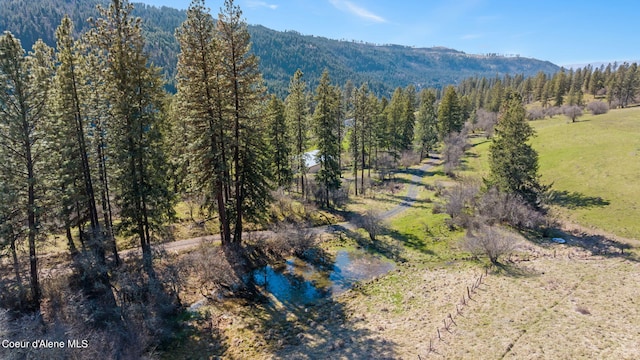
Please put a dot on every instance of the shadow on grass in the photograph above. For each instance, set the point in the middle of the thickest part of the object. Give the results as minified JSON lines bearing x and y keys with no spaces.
{"x":595,"y":245}
{"x":315,"y":331}
{"x":389,"y":250}
{"x":199,"y":335}
{"x":411,"y":241}
{"x":514,"y":270}
{"x":574,"y":200}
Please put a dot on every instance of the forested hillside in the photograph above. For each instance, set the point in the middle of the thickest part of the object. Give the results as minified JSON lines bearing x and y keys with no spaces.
{"x":281,"y":53}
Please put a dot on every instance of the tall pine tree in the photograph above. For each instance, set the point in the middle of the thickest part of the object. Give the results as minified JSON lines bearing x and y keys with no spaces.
{"x":242,"y":83}
{"x":427,"y":130}
{"x":297,"y":112}
{"x":325,"y":128}
{"x":450,"y":116}
{"x":202,"y":101}
{"x":279,"y":143}
{"x":513,"y":162}
{"x":25,"y":82}
{"x":135,"y":98}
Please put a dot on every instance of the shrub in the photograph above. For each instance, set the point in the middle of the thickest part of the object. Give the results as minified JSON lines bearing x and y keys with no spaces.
{"x":409,"y":158}
{"x":552,"y":111}
{"x":460,"y":203}
{"x":499,"y":207}
{"x":598,"y":107}
{"x":489,"y":241}
{"x":486,"y":121}
{"x":536,"y":113}
{"x":215,"y":271}
{"x":287,"y":240}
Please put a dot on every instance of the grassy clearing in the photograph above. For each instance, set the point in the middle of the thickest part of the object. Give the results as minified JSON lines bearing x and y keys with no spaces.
{"x":595,"y":164}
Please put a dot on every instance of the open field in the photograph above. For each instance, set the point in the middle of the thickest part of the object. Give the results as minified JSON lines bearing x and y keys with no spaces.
{"x":593,"y":165}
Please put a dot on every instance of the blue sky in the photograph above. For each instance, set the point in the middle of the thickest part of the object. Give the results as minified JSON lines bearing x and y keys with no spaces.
{"x":563,"y":32}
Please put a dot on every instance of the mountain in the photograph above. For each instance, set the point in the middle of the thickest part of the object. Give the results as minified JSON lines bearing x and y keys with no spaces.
{"x":384,"y":67}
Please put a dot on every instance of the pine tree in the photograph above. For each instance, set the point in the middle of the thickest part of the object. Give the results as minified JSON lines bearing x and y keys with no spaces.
{"x":326,"y":131}
{"x":25,"y":82}
{"x":280,"y":143}
{"x":513,"y":162}
{"x":408,"y":117}
{"x":396,"y":123}
{"x":450,"y":113}
{"x":427,"y":130}
{"x":76,"y":179}
{"x":135,"y":98}
{"x":362,"y":130}
{"x":244,"y":87}
{"x":202,"y":101}
{"x":297,"y":111}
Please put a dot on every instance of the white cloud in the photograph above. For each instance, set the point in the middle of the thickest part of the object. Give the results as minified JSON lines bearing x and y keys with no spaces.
{"x":258,"y":4}
{"x":356,"y":10}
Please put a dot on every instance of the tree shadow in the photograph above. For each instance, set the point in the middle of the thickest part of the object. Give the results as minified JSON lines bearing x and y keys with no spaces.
{"x":320,"y":330}
{"x":411,"y":241}
{"x":574,"y":200}
{"x":514,"y":269}
{"x":410,"y":202}
{"x":594,"y":245}
{"x":412,"y":171}
{"x":377,"y":246}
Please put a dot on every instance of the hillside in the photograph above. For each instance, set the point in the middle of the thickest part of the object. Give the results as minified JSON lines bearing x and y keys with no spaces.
{"x":281,"y":53}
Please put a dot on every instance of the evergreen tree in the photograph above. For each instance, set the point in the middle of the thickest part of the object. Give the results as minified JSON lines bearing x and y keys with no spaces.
{"x":72,"y":146}
{"x":135,"y":99}
{"x":396,"y":111}
{"x":326,"y":132}
{"x":202,"y":102}
{"x":450,"y":113}
{"x":427,"y":130}
{"x":297,"y":111}
{"x":242,"y":82}
{"x":362,"y":132}
{"x":513,"y":162}
{"x":408,"y":117}
{"x":280,"y":143}
{"x":24,"y":90}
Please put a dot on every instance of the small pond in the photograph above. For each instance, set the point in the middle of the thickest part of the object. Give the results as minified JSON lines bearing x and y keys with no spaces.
{"x":299,"y":282}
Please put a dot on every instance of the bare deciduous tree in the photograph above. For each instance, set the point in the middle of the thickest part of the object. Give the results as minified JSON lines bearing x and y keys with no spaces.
{"x":455,"y":145}
{"x":371,"y":221}
{"x":490,"y":241}
{"x":485,"y":121}
{"x":572,"y":112}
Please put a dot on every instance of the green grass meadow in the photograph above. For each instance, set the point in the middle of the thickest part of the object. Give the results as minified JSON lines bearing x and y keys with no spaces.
{"x":597,"y":162}
{"x":593,"y":164}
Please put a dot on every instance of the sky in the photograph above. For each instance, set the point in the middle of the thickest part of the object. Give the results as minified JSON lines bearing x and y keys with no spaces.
{"x":572,"y":32}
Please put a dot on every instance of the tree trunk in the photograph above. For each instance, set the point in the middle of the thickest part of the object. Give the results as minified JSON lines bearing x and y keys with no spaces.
{"x":31,"y":223}
{"x":72,"y":246}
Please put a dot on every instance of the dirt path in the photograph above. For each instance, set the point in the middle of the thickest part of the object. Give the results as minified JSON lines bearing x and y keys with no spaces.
{"x":411,"y":197}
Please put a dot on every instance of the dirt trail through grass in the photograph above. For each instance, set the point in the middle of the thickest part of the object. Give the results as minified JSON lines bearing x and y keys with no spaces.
{"x":407,"y":202}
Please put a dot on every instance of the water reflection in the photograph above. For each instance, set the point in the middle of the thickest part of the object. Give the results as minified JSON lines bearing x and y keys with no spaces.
{"x":299,"y":282}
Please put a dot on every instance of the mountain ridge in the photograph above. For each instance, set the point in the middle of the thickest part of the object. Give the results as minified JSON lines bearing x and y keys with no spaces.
{"x":281,"y":53}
